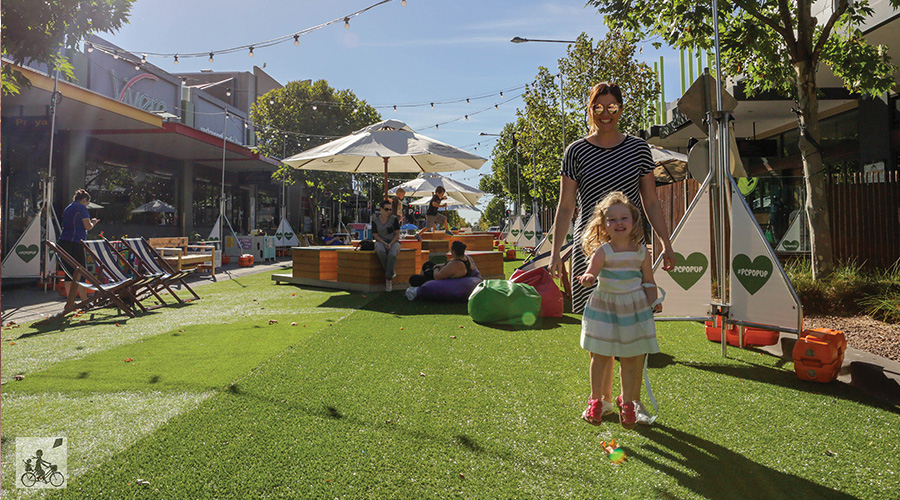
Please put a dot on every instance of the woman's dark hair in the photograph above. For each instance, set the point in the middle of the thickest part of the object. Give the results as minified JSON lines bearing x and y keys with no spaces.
{"x":81,"y":194}
{"x":604,"y":88}
{"x":458,"y":248}
{"x":386,"y":202}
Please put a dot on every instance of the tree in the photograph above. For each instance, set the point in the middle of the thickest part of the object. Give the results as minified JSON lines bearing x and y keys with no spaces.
{"x":529,"y":153}
{"x":302,"y":115}
{"x":777,"y":45}
{"x":493,"y":214}
{"x":34,"y":31}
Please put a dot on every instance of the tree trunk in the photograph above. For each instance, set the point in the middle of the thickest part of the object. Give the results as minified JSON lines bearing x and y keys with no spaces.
{"x":814,"y":174}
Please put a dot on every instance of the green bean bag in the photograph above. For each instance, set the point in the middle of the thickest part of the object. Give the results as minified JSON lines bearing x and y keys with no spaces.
{"x":504,"y":302}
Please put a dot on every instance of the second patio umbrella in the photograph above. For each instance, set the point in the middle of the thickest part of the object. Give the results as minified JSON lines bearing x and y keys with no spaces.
{"x":426,"y":183}
{"x":387,"y":146}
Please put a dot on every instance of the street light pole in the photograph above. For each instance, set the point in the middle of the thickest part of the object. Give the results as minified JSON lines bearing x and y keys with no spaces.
{"x":519,"y":39}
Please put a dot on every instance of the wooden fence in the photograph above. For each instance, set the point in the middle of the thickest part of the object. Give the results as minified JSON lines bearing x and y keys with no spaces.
{"x":864,"y":209}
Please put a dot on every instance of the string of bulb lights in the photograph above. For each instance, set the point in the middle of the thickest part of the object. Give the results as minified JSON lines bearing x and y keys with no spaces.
{"x":248,"y":47}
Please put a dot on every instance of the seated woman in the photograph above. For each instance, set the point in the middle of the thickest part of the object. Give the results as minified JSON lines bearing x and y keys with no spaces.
{"x":386,"y":232}
{"x":331,"y":239}
{"x":460,"y":266}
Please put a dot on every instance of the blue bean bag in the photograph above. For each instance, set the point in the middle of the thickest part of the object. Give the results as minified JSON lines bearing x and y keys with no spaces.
{"x":450,"y":290}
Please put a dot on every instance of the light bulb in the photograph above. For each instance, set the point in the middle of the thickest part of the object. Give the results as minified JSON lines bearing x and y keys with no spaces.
{"x":137,"y":67}
{"x":467,"y":117}
{"x":395,"y":107}
{"x":228,"y":92}
{"x":432,"y":105}
{"x":437,"y":126}
{"x":467,"y":101}
{"x":210,"y":57}
{"x":251,"y":52}
{"x":501,"y":93}
{"x":314,"y":107}
{"x":403,"y":3}
{"x":115,"y":54}
{"x":143,"y":58}
{"x":176,"y":58}
{"x":296,"y":39}
{"x":90,"y":47}
{"x":346,"y":23}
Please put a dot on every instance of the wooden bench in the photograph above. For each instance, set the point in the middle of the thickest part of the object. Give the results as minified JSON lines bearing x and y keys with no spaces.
{"x":363,"y":267}
{"x":181,"y":255}
{"x":317,"y":263}
{"x":476,"y":242}
{"x":490,"y":264}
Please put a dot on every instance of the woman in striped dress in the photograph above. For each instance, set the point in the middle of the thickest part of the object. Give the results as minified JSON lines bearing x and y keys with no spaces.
{"x":618,"y":319}
{"x":603,"y":162}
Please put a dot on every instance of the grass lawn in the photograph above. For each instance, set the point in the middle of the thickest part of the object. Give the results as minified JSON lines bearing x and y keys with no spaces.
{"x":372,"y":396}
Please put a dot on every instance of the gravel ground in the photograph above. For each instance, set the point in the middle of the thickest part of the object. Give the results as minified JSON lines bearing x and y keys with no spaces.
{"x":863,"y":333}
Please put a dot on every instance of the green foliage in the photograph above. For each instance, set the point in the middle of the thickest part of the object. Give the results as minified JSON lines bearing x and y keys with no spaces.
{"x":493,"y":214}
{"x":287,"y":124}
{"x":34,"y":31}
{"x":537,"y":135}
{"x":849,"y":290}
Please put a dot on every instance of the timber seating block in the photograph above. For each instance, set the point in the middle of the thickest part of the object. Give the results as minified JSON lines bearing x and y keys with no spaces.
{"x":181,"y":255}
{"x":436,"y":246}
{"x":490,"y":264}
{"x":318,"y":263}
{"x":363,"y":267}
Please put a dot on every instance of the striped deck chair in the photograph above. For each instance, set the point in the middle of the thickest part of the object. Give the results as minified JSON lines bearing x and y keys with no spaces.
{"x":115,"y":267}
{"x":112,"y":294}
{"x":151,"y":263}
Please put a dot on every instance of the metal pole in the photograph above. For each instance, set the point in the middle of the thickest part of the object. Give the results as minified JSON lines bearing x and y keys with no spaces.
{"x":222,"y":200}
{"x":562,"y":108}
{"x":724,"y":181}
{"x":48,"y":203}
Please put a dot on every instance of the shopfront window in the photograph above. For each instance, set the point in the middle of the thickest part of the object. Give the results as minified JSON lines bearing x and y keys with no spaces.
{"x":206,"y":205}
{"x":267,"y":211}
{"x":131,"y":196}
{"x":24,"y":162}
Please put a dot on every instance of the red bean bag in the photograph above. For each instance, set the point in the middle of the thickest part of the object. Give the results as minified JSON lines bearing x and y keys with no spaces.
{"x":540,"y":279}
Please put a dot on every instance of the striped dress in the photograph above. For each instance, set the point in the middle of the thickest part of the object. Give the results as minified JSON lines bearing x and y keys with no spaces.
{"x":598,"y":172}
{"x":617,"y":319}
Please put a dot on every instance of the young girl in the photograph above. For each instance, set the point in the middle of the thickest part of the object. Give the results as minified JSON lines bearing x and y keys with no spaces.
{"x":618,"y":319}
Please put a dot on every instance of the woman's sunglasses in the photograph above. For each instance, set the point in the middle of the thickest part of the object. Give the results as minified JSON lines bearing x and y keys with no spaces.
{"x":387,"y":209}
{"x":610,"y":108}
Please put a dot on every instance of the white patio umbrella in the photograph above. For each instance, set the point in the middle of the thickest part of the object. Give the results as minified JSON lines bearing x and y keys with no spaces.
{"x":388,"y":146}
{"x":450,"y":205}
{"x":426,"y":183}
{"x":155,"y":206}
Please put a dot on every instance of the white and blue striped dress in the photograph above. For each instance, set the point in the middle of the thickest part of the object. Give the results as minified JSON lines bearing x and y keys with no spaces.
{"x":618,"y":320}
{"x":599,"y":171}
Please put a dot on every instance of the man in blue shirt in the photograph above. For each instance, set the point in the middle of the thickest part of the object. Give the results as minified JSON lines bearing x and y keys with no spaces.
{"x":76,"y":222}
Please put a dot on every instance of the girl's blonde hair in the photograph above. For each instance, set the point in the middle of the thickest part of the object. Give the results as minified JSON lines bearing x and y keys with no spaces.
{"x":595,"y":234}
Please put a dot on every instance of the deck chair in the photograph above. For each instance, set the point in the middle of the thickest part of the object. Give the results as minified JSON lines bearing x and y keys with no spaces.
{"x":112,"y":265}
{"x":112,"y":294}
{"x":152,"y":263}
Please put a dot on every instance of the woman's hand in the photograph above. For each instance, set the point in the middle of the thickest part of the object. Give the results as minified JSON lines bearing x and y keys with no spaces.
{"x":587,"y":280}
{"x":556,"y":266}
{"x":657,"y":308}
{"x":668,"y":258}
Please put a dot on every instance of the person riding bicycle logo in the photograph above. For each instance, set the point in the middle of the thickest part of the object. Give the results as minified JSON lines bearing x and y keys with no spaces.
{"x":41,"y":471}
{"x":45,"y":462}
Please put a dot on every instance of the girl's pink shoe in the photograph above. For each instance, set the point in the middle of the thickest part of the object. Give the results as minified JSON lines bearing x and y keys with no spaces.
{"x":627,"y":416}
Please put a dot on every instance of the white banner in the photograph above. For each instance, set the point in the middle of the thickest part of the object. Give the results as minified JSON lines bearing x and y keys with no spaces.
{"x":760,"y":291}
{"x":529,"y":236}
{"x":214,"y":234}
{"x":285,"y":236}
{"x":515,"y":229}
{"x":24,"y":259}
{"x":546,"y":243}
{"x":689,"y":285}
{"x":796,"y":239}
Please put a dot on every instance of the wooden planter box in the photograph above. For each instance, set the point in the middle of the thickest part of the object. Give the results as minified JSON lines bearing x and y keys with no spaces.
{"x":318,"y":263}
{"x":362,"y":267}
{"x":490,"y":264}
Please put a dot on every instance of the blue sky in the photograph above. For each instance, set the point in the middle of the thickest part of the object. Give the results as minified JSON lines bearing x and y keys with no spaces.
{"x":428,"y":50}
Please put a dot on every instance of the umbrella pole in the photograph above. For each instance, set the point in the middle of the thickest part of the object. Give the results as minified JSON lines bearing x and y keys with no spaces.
{"x":385,"y":178}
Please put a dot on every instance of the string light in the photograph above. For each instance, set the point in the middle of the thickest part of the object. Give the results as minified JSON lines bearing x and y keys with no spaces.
{"x":296,"y":40}
{"x":347,"y":23}
{"x":251,"y":51}
{"x":210,"y":57}
{"x":467,"y":117}
{"x":437,"y":126}
{"x":395,"y":108}
{"x":467,"y":101}
{"x":116,"y":54}
{"x":176,"y":58}
{"x":314,"y":107}
{"x":228,"y":92}
{"x":501,"y":93}
{"x":137,"y":67}
{"x":143,"y":58}
{"x":432,"y":105}
{"x":90,"y":47}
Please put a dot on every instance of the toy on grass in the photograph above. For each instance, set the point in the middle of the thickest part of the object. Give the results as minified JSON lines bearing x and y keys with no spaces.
{"x":616,"y":455}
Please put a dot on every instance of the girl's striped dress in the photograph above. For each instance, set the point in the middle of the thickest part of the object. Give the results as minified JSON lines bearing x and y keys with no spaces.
{"x":599,"y":171}
{"x":617,"y":318}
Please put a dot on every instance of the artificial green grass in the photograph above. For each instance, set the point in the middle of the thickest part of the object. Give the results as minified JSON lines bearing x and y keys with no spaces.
{"x":386,"y":404}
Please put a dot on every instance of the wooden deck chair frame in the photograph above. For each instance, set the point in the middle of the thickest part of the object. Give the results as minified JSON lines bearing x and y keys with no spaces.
{"x":151,"y":262}
{"x":111,"y":294}
{"x":111,"y":263}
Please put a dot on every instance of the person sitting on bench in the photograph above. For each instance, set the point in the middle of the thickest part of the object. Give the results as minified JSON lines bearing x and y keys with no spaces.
{"x":460,"y":266}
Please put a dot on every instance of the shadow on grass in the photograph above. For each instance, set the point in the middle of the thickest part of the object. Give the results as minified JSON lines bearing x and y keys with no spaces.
{"x":715,"y":472}
{"x":94,"y":318}
{"x":768,"y":375}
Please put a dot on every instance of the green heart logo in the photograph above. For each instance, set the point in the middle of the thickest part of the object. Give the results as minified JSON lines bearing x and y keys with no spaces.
{"x":288,"y":236}
{"x":688,"y":271}
{"x":515,"y":232}
{"x":569,"y":238}
{"x":214,"y":239}
{"x":27,"y":253}
{"x":550,"y":237}
{"x":529,"y":234}
{"x":791,"y":245}
{"x":752,"y":275}
{"x":279,"y":236}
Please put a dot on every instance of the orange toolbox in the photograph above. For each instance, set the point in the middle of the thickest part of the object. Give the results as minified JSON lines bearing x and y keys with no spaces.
{"x":714,"y":331}
{"x":752,"y":336}
{"x":819,"y":354}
